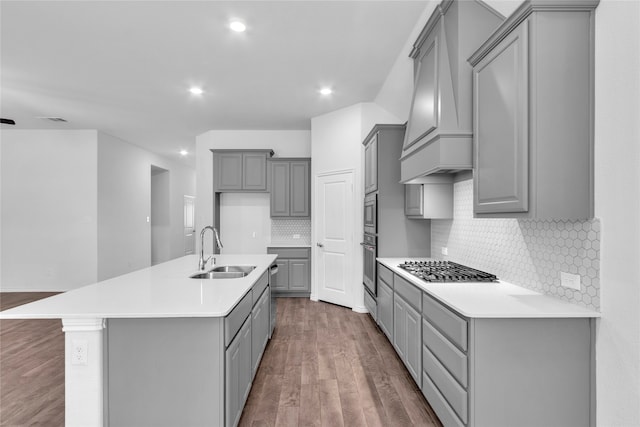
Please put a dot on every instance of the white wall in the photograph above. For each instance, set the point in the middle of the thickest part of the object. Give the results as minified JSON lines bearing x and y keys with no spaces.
{"x":336,"y":145}
{"x":245,"y":223}
{"x":49,"y":209}
{"x":617,"y":195}
{"x":124,"y":193}
{"x":617,"y":203}
{"x":291,"y":143}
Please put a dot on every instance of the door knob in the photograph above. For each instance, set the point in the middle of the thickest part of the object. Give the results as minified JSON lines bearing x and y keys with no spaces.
{"x":320,"y":245}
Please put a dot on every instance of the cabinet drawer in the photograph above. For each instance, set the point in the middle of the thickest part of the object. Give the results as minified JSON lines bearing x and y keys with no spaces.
{"x":236,"y":318}
{"x":259,"y":287}
{"x":370,"y":303}
{"x":455,"y":395}
{"x":439,"y":404}
{"x":409,"y":292}
{"x":453,"y":359}
{"x":289,"y":252}
{"x":446,"y":321}
{"x":385,"y":274}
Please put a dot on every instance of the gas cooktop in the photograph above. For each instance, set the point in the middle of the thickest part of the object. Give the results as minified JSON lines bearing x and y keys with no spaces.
{"x":446,"y":271}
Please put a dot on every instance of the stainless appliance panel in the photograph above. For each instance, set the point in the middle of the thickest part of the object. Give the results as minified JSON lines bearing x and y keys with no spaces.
{"x":369,"y":253}
{"x":371,"y":214}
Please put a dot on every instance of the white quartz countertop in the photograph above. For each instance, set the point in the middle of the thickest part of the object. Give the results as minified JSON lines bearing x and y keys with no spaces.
{"x":492,"y":300}
{"x":164,"y":290}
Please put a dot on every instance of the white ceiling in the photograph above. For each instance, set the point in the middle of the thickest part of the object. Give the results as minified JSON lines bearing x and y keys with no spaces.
{"x":124,"y":67}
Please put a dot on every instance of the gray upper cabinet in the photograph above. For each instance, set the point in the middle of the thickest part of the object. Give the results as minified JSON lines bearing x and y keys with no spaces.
{"x":289,"y":184}
{"x":240,"y":170}
{"x":533,"y":114}
{"x":371,"y":164}
{"x":431,"y":200}
{"x":439,"y":130}
{"x":413,"y":200}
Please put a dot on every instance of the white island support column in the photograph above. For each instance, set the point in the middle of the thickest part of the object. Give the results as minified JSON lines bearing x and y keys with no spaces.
{"x":83,"y":372}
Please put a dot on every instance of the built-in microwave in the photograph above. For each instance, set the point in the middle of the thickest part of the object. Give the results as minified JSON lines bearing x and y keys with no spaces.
{"x":371,"y":214}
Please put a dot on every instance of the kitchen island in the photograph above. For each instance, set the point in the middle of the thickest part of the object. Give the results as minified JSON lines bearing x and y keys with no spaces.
{"x":156,"y":347}
{"x":490,"y":353}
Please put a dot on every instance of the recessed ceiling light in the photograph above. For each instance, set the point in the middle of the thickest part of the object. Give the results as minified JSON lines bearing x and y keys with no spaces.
{"x":196,"y":90}
{"x":326,"y":91}
{"x":237,"y":26}
{"x":183,"y":152}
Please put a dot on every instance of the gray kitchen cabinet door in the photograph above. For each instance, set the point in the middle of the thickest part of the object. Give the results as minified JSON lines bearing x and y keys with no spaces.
{"x":299,"y":273}
{"x":238,"y":373}
{"x":259,"y":330}
{"x":413,"y":205}
{"x":279,"y":188}
{"x":229,"y":171}
{"x":385,"y":309}
{"x":413,"y":350}
{"x":300,"y":189}
{"x":400,"y":326}
{"x":501,"y":126}
{"x":254,"y":176}
{"x":371,"y":165}
{"x":282,"y":278}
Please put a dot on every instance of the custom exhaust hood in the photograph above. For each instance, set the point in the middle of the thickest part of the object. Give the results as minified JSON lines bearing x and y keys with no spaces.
{"x":439,"y":131}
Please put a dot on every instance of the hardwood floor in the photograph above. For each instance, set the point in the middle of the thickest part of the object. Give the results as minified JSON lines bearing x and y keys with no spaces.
{"x":31,"y":367}
{"x":325,"y":366}
{"x":329,"y":366}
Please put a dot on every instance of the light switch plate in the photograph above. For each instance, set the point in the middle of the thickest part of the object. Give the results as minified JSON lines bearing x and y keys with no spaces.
{"x":444,"y":250}
{"x":296,"y":236}
{"x":569,"y":280}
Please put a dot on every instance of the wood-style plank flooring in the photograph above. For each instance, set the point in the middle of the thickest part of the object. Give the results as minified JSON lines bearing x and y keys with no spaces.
{"x":325,"y":366}
{"x":329,"y":366}
{"x":31,"y":367}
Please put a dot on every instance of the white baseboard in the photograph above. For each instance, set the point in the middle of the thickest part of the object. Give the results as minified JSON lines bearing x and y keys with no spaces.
{"x":360,"y":309}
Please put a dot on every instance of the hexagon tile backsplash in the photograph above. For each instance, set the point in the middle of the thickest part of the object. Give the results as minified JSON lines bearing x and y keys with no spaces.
{"x":283,"y":231}
{"x":528,"y":253}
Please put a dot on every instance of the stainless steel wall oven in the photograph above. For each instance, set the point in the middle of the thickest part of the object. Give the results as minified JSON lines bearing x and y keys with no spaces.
{"x":369,"y":263}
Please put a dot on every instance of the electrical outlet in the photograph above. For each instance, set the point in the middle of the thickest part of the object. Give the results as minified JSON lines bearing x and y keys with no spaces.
{"x":254,"y":235}
{"x":444,"y":250}
{"x":79,"y":350}
{"x":296,"y":236}
{"x":569,"y":280}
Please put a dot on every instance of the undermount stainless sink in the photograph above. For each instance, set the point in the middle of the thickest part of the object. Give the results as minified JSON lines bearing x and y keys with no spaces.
{"x":225,"y":272}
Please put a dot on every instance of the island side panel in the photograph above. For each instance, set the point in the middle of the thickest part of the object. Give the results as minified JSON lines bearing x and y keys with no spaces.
{"x":165,"y":372}
{"x":531,"y":372}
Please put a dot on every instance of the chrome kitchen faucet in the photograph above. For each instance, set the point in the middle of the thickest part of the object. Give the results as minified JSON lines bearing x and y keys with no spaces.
{"x":202,"y":262}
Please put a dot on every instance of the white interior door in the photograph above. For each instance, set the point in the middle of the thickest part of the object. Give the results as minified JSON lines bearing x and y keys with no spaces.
{"x":334,"y":198}
{"x":189,"y":225}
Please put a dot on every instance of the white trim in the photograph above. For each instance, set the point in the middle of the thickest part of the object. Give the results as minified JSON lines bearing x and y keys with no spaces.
{"x":360,"y":309}
{"x":8,"y":290}
{"x":83,"y":325}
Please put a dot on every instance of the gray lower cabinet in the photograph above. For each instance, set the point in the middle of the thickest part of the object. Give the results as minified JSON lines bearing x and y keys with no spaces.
{"x":385,"y":305}
{"x":240,"y":170}
{"x":407,"y":326}
{"x":198,"y":371}
{"x":533,"y":148}
{"x":489,"y":371}
{"x":238,"y":375}
{"x":501,"y":372}
{"x":289,"y":185}
{"x":259,"y":329}
{"x":294,"y":271}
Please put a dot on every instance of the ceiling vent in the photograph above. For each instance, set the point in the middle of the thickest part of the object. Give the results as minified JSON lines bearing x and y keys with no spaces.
{"x":53,"y":119}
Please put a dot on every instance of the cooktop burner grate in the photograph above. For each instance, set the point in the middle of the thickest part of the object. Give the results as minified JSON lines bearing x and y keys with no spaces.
{"x":446,"y":271}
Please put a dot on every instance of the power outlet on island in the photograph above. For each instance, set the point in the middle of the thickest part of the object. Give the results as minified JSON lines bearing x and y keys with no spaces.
{"x":569,"y":280}
{"x":79,"y":350}
{"x":296,"y":236}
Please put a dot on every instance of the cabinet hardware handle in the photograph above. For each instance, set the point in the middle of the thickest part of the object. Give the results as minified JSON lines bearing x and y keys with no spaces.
{"x":320,"y":245}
